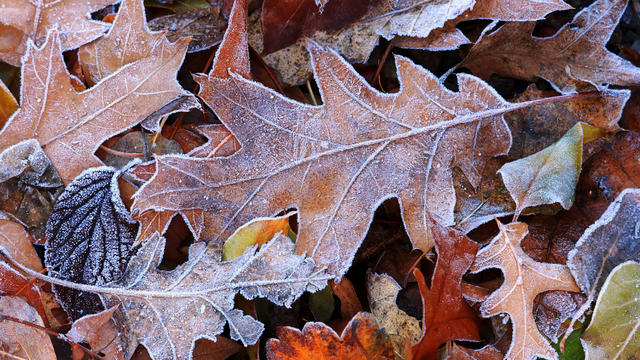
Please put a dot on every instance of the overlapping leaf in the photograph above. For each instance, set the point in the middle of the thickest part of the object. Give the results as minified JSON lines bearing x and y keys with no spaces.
{"x":69,"y":125}
{"x":574,"y":55}
{"x":361,"y":339}
{"x":32,"y":20}
{"x":524,"y":278}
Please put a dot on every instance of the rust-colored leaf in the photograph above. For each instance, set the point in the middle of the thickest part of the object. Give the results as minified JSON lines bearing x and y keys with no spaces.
{"x":100,"y":332}
{"x":12,"y":283}
{"x":69,"y":138}
{"x":8,"y":104}
{"x":360,"y":340}
{"x":17,"y":242}
{"x":32,"y":20}
{"x":446,"y":315}
{"x":574,"y":55}
{"x":21,"y":340}
{"x":524,"y":278}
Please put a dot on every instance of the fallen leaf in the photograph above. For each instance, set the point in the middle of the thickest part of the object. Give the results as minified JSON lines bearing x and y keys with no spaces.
{"x":349,"y":302}
{"x":128,"y":41}
{"x":29,"y":185}
{"x":12,"y":283}
{"x":574,"y":55}
{"x":204,"y":26}
{"x":613,"y":331}
{"x":458,"y":352}
{"x":100,"y":332}
{"x":220,"y":349}
{"x":21,"y":340}
{"x":449,"y":37}
{"x":382,"y":291}
{"x":17,"y":242}
{"x":550,"y":175}
{"x":69,"y":138}
{"x":251,"y":185}
{"x":8,"y":104}
{"x":256,"y":232}
{"x":33,"y":20}
{"x":90,"y":235}
{"x":196,"y":299}
{"x":361,"y":339}
{"x":458,"y":322}
{"x":524,"y":278}
{"x":610,"y":241}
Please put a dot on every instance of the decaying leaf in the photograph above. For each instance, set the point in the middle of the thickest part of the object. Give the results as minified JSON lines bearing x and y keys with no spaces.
{"x":99,"y":331}
{"x":16,"y":240}
{"x":12,"y":283}
{"x":90,"y":234}
{"x":204,"y":26}
{"x":550,"y":175}
{"x":166,"y":311}
{"x":32,"y":20}
{"x":361,"y":339}
{"x":524,"y":279}
{"x":381,"y":144}
{"x":457,"y":352}
{"x":614,"y":331}
{"x":21,"y":340}
{"x":574,"y":55}
{"x":445,"y":314}
{"x":70,"y":138}
{"x":610,"y":241}
{"x":29,"y":185}
{"x":382,"y":291}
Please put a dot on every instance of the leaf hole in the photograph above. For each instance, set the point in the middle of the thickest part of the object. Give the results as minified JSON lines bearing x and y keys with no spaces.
{"x":176,"y":249}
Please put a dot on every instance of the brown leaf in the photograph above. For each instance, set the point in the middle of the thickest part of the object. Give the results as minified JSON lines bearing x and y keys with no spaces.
{"x":446,"y":315}
{"x":575,"y":54}
{"x":17,"y":242}
{"x":100,"y":332}
{"x":22,"y":340}
{"x":220,"y":349}
{"x":524,"y":279}
{"x":12,"y":283}
{"x":204,"y":26}
{"x":458,"y":352}
{"x":32,"y":20}
{"x":402,"y":329}
{"x":349,"y":302}
{"x":361,"y":339}
{"x":8,"y":104}
{"x":69,"y":138}
{"x":449,"y":37}
{"x":610,"y":241}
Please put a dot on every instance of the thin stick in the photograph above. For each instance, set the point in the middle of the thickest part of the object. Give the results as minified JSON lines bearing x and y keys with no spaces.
{"x":382,"y":61}
{"x":220,"y":145}
{"x":313,"y":96}
{"x":155,"y":136}
{"x":120,"y":153}
{"x":51,"y":332}
{"x":4,"y":353}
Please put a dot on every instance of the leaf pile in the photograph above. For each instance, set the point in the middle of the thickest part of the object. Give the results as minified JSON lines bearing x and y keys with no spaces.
{"x":301,"y":179}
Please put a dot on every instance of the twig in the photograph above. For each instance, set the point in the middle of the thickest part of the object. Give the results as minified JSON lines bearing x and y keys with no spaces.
{"x":51,"y":332}
{"x":215,"y":150}
{"x":313,"y":97}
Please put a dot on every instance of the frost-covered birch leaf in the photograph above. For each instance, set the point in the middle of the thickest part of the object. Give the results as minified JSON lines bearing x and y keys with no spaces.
{"x":361,"y":339}
{"x":32,"y":20}
{"x":22,"y":341}
{"x":70,"y":125}
{"x":574,"y":55}
{"x":550,"y":175}
{"x":524,"y":278}
{"x":614,"y":331}
{"x":382,"y":291}
{"x":90,"y":233}
{"x":610,"y":241}
{"x":167,"y":311}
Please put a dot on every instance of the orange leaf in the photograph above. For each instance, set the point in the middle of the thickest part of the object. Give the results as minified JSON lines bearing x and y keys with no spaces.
{"x":361,"y":339}
{"x":446,"y":315}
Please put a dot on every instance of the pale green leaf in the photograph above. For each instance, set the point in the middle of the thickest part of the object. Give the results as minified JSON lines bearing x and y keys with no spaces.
{"x":614,"y":332}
